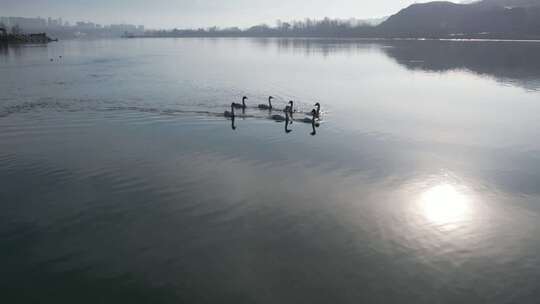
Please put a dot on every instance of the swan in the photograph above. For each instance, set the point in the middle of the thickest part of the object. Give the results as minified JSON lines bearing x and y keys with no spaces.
{"x":289,"y":108}
{"x":240,"y":106}
{"x":231,"y":113}
{"x":267,"y":107}
{"x":318,"y":105}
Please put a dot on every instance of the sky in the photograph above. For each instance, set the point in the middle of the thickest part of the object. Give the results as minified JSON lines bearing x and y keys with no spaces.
{"x":199,"y":13}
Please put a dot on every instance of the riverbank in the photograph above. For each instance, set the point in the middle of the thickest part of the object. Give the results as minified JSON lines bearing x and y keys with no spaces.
{"x":26,"y":38}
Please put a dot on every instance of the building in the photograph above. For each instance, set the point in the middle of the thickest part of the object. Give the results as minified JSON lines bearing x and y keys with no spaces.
{"x":63,"y":29}
{"x":81,"y":25}
{"x":123,"y":28}
{"x":26,"y":23}
{"x":54,"y":22}
{"x":4,"y":21}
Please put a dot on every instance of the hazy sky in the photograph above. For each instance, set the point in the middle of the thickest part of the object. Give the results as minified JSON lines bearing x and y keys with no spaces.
{"x":195,"y":13}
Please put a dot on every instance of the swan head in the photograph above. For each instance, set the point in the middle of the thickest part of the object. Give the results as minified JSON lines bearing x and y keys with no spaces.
{"x":318,"y":104}
{"x":270,"y":97}
{"x":244,"y":98}
{"x":291,"y":102}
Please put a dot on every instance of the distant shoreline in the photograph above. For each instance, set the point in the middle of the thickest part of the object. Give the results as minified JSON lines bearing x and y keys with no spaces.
{"x":537,"y":39}
{"x":39,"y":38}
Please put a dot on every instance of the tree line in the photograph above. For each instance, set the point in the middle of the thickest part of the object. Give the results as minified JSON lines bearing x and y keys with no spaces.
{"x":307,"y":28}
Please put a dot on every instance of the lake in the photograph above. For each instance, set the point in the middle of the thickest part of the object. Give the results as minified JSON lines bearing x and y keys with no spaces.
{"x":122,"y":181}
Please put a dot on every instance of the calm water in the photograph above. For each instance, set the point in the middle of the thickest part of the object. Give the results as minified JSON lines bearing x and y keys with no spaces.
{"x":121,"y":181}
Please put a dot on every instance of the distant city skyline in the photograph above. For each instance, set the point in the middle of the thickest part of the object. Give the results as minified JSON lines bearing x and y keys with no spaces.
{"x":59,"y":28}
{"x":168,"y":14}
{"x":40,"y":21}
{"x":55,"y":23}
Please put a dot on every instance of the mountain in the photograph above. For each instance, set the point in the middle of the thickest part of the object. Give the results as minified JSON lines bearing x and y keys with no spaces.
{"x":518,"y":19}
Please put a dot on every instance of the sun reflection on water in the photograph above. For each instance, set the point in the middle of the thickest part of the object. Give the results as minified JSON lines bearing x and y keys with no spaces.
{"x":445,"y":205}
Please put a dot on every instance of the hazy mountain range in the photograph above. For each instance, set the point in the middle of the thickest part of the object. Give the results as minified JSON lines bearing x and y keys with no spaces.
{"x":489,"y":18}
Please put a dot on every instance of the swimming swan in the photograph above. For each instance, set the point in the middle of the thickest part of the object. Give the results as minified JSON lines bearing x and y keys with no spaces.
{"x":240,"y":106}
{"x":318,"y":105}
{"x":267,"y":107}
{"x":289,"y":108}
